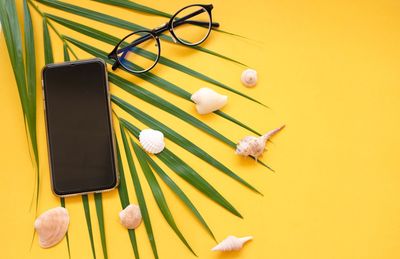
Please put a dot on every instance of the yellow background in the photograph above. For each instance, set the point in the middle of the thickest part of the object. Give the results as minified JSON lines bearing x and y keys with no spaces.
{"x":329,"y":70}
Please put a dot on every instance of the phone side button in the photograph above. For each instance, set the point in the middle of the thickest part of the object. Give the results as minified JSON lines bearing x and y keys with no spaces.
{"x":44,"y":103}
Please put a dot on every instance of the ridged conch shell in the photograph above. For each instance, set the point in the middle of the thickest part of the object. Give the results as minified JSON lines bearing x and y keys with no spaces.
{"x":254,"y":146}
{"x":51,"y":226}
{"x":208,"y":101}
{"x":231,"y":243}
{"x":131,"y":217}
{"x":152,"y":141}
{"x":249,"y":77}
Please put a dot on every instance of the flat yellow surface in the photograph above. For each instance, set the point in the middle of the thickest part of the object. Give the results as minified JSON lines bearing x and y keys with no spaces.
{"x":329,"y":70}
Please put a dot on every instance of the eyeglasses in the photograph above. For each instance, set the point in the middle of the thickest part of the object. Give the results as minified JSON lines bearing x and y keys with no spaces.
{"x":139,"y":51}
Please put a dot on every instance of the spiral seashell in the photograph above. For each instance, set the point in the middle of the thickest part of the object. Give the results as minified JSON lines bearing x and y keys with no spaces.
{"x":255,"y":146}
{"x":152,"y":141}
{"x":231,"y":243}
{"x":131,"y":217}
{"x":51,"y":226}
{"x":249,"y":77}
{"x":208,"y":101}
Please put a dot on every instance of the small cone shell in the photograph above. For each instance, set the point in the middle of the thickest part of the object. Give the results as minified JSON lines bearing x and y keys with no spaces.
{"x":231,"y":243}
{"x":131,"y":217}
{"x":208,"y":101}
{"x":249,"y":77}
{"x":51,"y":226}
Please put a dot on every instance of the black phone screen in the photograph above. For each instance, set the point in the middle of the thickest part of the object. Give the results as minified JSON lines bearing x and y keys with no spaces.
{"x":79,"y":128}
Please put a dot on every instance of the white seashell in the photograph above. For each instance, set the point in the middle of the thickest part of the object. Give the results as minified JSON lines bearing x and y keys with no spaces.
{"x":152,"y":141}
{"x":207,"y":100}
{"x":131,"y":217}
{"x":254,"y":146}
{"x":51,"y":226}
{"x":231,"y":243}
{"x":249,"y":77}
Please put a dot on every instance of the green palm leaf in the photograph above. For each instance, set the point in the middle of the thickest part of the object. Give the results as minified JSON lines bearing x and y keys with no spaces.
{"x":187,"y":173}
{"x":30,"y":68}
{"x":22,"y":72}
{"x":175,"y":188}
{"x":93,"y":15}
{"x":66,"y":54}
{"x":122,"y":189}
{"x":177,"y":138}
{"x":30,"y":57}
{"x":100,"y":218}
{"x":158,"y":194}
{"x":232,"y":119}
{"x":192,"y":177}
{"x":162,"y":83}
{"x":124,"y":198}
{"x":12,"y":33}
{"x":107,"y":38}
{"x":104,"y":18}
{"x":85,"y":202}
{"x":135,"y":6}
{"x":48,"y":52}
{"x":139,"y":193}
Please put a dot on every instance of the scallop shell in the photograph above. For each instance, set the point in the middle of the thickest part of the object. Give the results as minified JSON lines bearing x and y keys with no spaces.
{"x":131,"y":217}
{"x":51,"y":226}
{"x":249,"y":77}
{"x":231,"y":243}
{"x":152,"y":141}
{"x":255,"y":146}
{"x":208,"y":101}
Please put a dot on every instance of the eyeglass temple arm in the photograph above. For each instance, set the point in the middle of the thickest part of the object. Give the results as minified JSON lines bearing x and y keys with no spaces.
{"x":213,"y":24}
{"x":178,"y":22}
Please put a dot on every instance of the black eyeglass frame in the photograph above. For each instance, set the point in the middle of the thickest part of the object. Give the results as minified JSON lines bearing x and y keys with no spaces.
{"x":156,"y":32}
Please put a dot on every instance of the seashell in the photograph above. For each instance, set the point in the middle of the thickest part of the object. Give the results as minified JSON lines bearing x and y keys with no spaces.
{"x":249,"y":77}
{"x":51,"y":226}
{"x":152,"y":141}
{"x":131,"y":217}
{"x":231,"y":243}
{"x":254,"y":146}
{"x":207,"y":100}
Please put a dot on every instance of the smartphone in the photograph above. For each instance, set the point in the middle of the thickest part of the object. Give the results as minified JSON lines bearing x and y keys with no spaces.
{"x":80,"y":136}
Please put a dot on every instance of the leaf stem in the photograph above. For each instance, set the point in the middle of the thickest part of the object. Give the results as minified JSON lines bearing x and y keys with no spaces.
{"x":36,"y":8}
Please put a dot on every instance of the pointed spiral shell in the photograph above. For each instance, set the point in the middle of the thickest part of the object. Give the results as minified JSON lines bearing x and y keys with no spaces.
{"x":152,"y":141}
{"x":51,"y":226}
{"x":231,"y":243}
{"x":255,"y":146}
